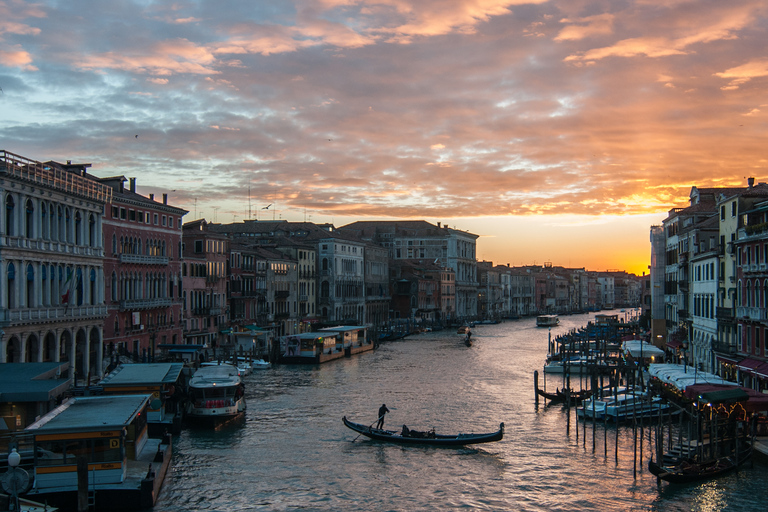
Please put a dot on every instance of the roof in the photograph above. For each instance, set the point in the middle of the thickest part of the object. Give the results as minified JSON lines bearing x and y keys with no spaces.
{"x":639,"y":348}
{"x":32,"y":382}
{"x":152,"y":373}
{"x":91,"y":414}
{"x":751,"y":400}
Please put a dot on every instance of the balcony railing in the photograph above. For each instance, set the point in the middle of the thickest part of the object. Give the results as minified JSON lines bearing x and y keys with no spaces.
{"x":725,"y":314}
{"x":144,"y":260}
{"x":145,"y":303}
{"x":724,"y":347}
{"x":52,"y":314}
{"x":750,"y":313}
{"x":282,"y":294}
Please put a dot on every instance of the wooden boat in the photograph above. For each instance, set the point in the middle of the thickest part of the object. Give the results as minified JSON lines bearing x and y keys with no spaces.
{"x":689,"y":471}
{"x":561,"y":396}
{"x":418,"y":437}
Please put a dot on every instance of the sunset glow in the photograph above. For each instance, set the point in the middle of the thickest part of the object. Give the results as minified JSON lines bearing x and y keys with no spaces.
{"x":557,"y":131}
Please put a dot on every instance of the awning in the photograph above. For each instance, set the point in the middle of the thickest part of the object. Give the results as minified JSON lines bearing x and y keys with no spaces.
{"x":749,"y":364}
{"x":729,"y":360}
{"x":762,"y":371}
{"x":674,"y":344}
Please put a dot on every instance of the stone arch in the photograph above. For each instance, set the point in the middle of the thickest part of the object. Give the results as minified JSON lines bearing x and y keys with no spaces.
{"x":49,"y":347}
{"x":32,"y":349}
{"x":13,"y":350}
{"x":81,"y":352}
{"x":65,"y":347}
{"x":94,"y":352}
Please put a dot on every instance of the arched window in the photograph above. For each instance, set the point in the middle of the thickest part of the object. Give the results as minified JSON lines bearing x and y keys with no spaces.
{"x":10,"y":209}
{"x":91,"y":230}
{"x":114,"y":244}
{"x":44,"y":227}
{"x":30,"y":292}
{"x":29,"y":219}
{"x":78,"y":229}
{"x":748,"y":295}
{"x":114,"y":287}
{"x":45,"y":298}
{"x":11,"y":286}
{"x":53,"y":230}
{"x":92,"y":298}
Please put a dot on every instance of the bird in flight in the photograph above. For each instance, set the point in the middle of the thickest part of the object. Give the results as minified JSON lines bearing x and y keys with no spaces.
{"x":267,"y":207}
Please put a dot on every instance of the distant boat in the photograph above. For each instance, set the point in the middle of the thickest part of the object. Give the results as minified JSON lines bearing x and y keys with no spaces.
{"x":547,"y":320}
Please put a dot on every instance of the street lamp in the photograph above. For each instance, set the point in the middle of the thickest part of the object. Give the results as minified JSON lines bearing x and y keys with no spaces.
{"x":15,"y":478}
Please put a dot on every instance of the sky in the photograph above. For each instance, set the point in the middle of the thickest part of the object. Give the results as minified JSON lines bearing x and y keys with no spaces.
{"x":557,"y":131}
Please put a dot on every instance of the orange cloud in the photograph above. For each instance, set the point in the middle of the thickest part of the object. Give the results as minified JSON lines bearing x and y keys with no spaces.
{"x":741,"y":74}
{"x":17,"y":59}
{"x":583,"y":28}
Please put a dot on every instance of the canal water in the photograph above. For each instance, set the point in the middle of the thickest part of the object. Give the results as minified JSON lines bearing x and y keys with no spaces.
{"x":292,"y":452}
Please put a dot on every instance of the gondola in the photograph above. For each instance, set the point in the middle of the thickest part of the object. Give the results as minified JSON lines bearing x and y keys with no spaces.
{"x":423,"y":438}
{"x":685,"y":471}
{"x":561,"y":396}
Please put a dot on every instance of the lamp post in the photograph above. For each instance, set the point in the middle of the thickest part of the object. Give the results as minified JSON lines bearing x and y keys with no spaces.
{"x":14,"y":459}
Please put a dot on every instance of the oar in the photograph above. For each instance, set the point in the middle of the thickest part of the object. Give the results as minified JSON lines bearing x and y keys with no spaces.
{"x":369,"y":427}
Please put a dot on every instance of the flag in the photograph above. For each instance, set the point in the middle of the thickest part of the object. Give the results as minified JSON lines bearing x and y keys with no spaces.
{"x":66,"y":288}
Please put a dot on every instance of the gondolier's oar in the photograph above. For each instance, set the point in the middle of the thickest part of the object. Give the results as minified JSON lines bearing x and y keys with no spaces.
{"x":369,"y":427}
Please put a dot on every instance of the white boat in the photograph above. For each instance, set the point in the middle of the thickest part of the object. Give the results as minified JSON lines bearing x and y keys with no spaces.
{"x":573,"y":366}
{"x":622,"y":407}
{"x":260,"y":364}
{"x":216,"y":394}
{"x":243,"y":368}
{"x":547,"y":320}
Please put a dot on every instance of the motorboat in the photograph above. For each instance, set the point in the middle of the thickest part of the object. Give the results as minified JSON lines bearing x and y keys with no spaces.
{"x":547,"y":320}
{"x":622,"y":406}
{"x":216,"y":395}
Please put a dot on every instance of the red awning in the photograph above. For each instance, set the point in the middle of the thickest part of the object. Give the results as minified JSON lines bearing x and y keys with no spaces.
{"x":729,"y":360}
{"x":674,"y":344}
{"x":757,"y":401}
{"x":762,"y":370}
{"x":749,"y":364}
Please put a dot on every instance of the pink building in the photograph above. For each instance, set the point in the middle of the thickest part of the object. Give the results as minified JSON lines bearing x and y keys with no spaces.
{"x":142,"y":272}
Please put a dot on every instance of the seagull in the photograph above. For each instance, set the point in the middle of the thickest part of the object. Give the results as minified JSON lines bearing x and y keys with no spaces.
{"x":267,"y":207}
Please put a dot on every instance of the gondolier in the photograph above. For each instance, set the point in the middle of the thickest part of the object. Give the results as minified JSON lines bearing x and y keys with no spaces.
{"x":382,"y":411}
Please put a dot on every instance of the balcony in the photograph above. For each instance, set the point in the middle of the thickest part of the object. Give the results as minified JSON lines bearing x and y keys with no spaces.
{"x":750,"y":313}
{"x":282,"y":294}
{"x":145,"y":303}
{"x":52,"y":314}
{"x":144,"y":260}
{"x":724,"y":347}
{"x":725,"y":314}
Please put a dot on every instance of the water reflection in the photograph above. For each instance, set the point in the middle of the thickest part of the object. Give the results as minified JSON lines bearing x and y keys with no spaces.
{"x":294,"y":453}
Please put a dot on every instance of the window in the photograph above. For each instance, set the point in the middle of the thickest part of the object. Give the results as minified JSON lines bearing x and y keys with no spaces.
{"x":733,"y":209}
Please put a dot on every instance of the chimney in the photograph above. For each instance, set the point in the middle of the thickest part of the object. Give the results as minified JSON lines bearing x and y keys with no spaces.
{"x":165,"y":198}
{"x":751,"y":182}
{"x":133,"y":185}
{"x":438,"y":224}
{"x":151,"y":197}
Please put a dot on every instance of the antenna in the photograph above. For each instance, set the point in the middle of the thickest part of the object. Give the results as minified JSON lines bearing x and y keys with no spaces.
{"x":215,"y":210}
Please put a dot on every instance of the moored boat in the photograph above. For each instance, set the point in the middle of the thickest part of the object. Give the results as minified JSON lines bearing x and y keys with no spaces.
{"x":216,"y":395}
{"x":408,"y":436}
{"x":691,"y":471}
